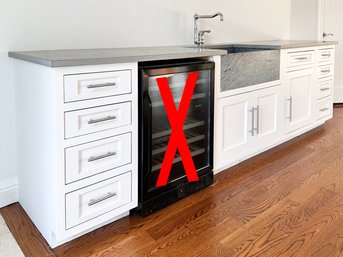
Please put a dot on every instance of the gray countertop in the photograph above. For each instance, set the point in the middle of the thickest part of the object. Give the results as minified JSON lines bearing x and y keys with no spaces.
{"x":284,"y":44}
{"x":77,"y":57}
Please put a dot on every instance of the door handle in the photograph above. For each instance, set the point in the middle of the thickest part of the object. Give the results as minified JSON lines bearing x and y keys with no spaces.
{"x":252,"y":131}
{"x":290,"y":117}
{"x":328,"y":34}
{"x":257,"y":119}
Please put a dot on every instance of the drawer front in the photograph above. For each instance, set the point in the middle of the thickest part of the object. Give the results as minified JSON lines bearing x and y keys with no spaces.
{"x":82,"y":122}
{"x":92,"y":201}
{"x":325,"y":71}
{"x":326,"y":55}
{"x":300,"y":58}
{"x":324,"y":109}
{"x":92,"y":158}
{"x":95,"y":85}
{"x":325,"y":88}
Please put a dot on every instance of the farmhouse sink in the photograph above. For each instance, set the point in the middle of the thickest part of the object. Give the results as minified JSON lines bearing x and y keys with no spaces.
{"x":247,"y":66}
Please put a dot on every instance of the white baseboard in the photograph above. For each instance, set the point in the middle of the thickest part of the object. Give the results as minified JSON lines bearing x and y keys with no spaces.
{"x":8,"y":191}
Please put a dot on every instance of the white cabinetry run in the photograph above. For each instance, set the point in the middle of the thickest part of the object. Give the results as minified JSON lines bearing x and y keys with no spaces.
{"x":77,"y":144}
{"x":253,"y":119}
{"x":246,"y":123}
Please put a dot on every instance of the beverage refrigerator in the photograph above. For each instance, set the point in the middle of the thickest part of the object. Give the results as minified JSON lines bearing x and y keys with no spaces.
{"x":155,"y":131}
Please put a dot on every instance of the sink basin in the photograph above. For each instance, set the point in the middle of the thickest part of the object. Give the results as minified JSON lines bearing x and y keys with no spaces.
{"x":246,"y":66}
{"x":235,"y":49}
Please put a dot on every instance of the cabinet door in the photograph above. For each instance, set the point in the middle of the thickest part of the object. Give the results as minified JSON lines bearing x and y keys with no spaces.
{"x":232,"y":129}
{"x":300,"y":100}
{"x":268,"y":115}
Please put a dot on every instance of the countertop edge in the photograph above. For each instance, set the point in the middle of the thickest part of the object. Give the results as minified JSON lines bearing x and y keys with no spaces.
{"x":54,"y":62}
{"x":285,"y":46}
{"x":110,"y":60}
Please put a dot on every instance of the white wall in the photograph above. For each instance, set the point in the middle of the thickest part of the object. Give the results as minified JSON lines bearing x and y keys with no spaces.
{"x":304,"y":19}
{"x":62,"y":24}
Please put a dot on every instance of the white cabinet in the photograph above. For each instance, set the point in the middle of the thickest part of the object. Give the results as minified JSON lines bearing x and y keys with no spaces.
{"x":269,"y":120}
{"x":247,"y":123}
{"x":299,"y":98}
{"x":256,"y":118}
{"x":232,"y":128}
{"x":78,"y":138}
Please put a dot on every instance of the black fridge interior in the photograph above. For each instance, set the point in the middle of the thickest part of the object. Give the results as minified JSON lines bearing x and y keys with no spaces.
{"x":155,"y":131}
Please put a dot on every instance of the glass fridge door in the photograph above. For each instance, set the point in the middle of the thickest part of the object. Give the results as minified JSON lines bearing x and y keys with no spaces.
{"x":196,"y":128}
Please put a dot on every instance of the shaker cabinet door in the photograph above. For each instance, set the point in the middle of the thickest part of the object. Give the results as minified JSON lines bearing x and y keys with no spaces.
{"x":268,"y":116}
{"x":299,"y":100}
{"x":234,"y":129}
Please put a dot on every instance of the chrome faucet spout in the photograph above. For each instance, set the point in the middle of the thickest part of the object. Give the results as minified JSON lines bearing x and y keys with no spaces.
{"x":196,"y":16}
{"x":199,"y":38}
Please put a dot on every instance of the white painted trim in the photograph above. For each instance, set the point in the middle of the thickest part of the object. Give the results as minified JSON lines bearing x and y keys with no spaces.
{"x":321,"y":4}
{"x":8,"y":191}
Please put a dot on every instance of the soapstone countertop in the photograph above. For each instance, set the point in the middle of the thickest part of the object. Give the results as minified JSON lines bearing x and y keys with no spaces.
{"x":284,"y":44}
{"x":78,"y":57}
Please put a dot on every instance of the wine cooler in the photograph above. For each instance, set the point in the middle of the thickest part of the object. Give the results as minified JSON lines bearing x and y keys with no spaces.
{"x":155,"y":131}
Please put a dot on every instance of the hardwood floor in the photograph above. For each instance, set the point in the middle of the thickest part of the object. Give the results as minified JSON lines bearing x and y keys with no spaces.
{"x":285,"y":202}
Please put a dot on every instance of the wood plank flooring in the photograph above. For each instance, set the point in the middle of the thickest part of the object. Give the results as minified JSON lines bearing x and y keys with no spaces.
{"x":285,"y":202}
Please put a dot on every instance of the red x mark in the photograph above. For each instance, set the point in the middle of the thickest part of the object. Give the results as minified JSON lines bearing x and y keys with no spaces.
{"x":177,"y":138}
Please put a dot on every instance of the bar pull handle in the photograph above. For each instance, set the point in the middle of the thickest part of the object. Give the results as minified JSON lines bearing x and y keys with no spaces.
{"x":301,"y":58}
{"x":257,"y":120}
{"x":96,"y":158}
{"x":325,"y":71}
{"x":100,"y":199}
{"x":252,"y":131}
{"x":102,"y":85}
{"x":326,"y":55}
{"x":290,"y":117}
{"x":325,"y":89}
{"x":324,"y":109}
{"x":102,"y":119}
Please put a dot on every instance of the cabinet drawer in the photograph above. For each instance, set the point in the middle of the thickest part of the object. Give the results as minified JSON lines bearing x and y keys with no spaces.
{"x":300,"y":58}
{"x":96,"y":119}
{"x":325,"y":88}
{"x":325,"y":71}
{"x":92,"y":158}
{"x":324,"y":109}
{"x":325,"y":55}
{"x":92,"y":201}
{"x":93,"y":85}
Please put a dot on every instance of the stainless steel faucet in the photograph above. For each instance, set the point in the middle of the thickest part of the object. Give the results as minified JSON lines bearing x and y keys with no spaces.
{"x":199,"y":37}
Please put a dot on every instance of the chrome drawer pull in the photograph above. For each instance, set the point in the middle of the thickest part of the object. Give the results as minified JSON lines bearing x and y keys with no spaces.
{"x":102,"y":85}
{"x":258,"y":120}
{"x":290,"y":117}
{"x":252,"y":131}
{"x":326,"y":55}
{"x":325,"y":71}
{"x":102,"y":119}
{"x":103,"y":198}
{"x":325,"y":89}
{"x":95,"y":158}
{"x":301,"y":58}
{"x":324,"y":109}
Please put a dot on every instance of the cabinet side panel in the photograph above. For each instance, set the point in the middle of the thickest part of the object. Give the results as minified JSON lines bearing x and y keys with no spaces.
{"x":36,"y":135}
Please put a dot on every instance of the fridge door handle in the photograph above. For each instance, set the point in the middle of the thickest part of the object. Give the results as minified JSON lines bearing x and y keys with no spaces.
{"x":147,"y":129}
